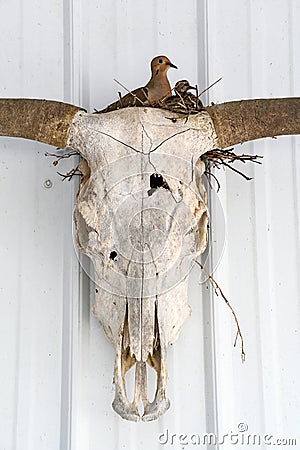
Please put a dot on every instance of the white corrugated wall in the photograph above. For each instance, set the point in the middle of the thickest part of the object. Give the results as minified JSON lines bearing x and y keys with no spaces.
{"x":55,"y":363}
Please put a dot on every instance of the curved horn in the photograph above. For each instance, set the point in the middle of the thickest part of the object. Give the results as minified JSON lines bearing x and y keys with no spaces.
{"x":246,"y":120}
{"x":41,"y":120}
{"x":235,"y":122}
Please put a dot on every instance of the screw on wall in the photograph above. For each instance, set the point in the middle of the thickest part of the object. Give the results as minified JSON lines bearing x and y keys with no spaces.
{"x":48,"y":184}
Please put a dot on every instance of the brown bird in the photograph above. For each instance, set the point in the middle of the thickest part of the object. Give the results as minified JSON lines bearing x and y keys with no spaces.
{"x":157,"y":88}
{"x":183,"y":100}
{"x":182,"y":87}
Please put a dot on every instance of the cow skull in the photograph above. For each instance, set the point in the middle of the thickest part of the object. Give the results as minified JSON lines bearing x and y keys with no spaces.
{"x":141,"y":214}
{"x":141,"y":217}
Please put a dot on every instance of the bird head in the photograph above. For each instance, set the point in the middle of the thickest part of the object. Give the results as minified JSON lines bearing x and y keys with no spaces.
{"x":182,"y":86}
{"x":161,"y":64}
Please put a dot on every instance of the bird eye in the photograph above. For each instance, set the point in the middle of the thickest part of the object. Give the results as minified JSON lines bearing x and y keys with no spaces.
{"x":160,"y":61}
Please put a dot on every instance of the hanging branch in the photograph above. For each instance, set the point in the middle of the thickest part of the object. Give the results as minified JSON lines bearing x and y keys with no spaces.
{"x":217,"y":157}
{"x":218,"y":291}
{"x":208,"y":173}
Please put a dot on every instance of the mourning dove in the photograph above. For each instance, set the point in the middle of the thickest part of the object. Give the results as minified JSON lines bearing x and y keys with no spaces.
{"x":183,"y":100}
{"x":182,"y":87}
{"x":156,"y":89}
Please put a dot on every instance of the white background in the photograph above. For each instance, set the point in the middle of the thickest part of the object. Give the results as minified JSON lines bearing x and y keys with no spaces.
{"x":55,"y":364}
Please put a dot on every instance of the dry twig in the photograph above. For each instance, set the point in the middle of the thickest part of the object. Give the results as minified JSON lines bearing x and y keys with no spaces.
{"x":60,"y":157}
{"x":129,"y":92}
{"x":218,"y":291}
{"x":210,"y":86}
{"x":217,"y":157}
{"x":68,"y":176}
{"x":71,"y":173}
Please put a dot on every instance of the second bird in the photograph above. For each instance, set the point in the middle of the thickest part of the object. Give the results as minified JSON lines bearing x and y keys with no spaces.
{"x":157,"y":88}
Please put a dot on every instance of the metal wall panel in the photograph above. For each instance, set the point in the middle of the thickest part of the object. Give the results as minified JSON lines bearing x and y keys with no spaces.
{"x":56,"y":364}
{"x":36,"y":245}
{"x":255,"y":45}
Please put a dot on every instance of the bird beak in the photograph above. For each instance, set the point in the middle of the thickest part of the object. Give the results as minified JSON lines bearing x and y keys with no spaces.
{"x":192,"y":87}
{"x":172,"y":65}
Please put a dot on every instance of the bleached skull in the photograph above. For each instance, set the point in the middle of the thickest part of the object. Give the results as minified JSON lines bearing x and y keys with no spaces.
{"x":141,"y":216}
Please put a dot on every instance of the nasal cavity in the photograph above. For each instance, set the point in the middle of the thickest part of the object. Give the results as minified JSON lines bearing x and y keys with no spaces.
{"x":113,"y":255}
{"x":157,"y":181}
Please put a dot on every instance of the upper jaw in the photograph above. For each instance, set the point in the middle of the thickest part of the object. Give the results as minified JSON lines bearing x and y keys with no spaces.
{"x":172,"y":65}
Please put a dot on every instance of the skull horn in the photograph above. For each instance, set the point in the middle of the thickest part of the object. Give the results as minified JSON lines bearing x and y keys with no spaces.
{"x":40,"y":120}
{"x":235,"y":122}
{"x":246,"y":120}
